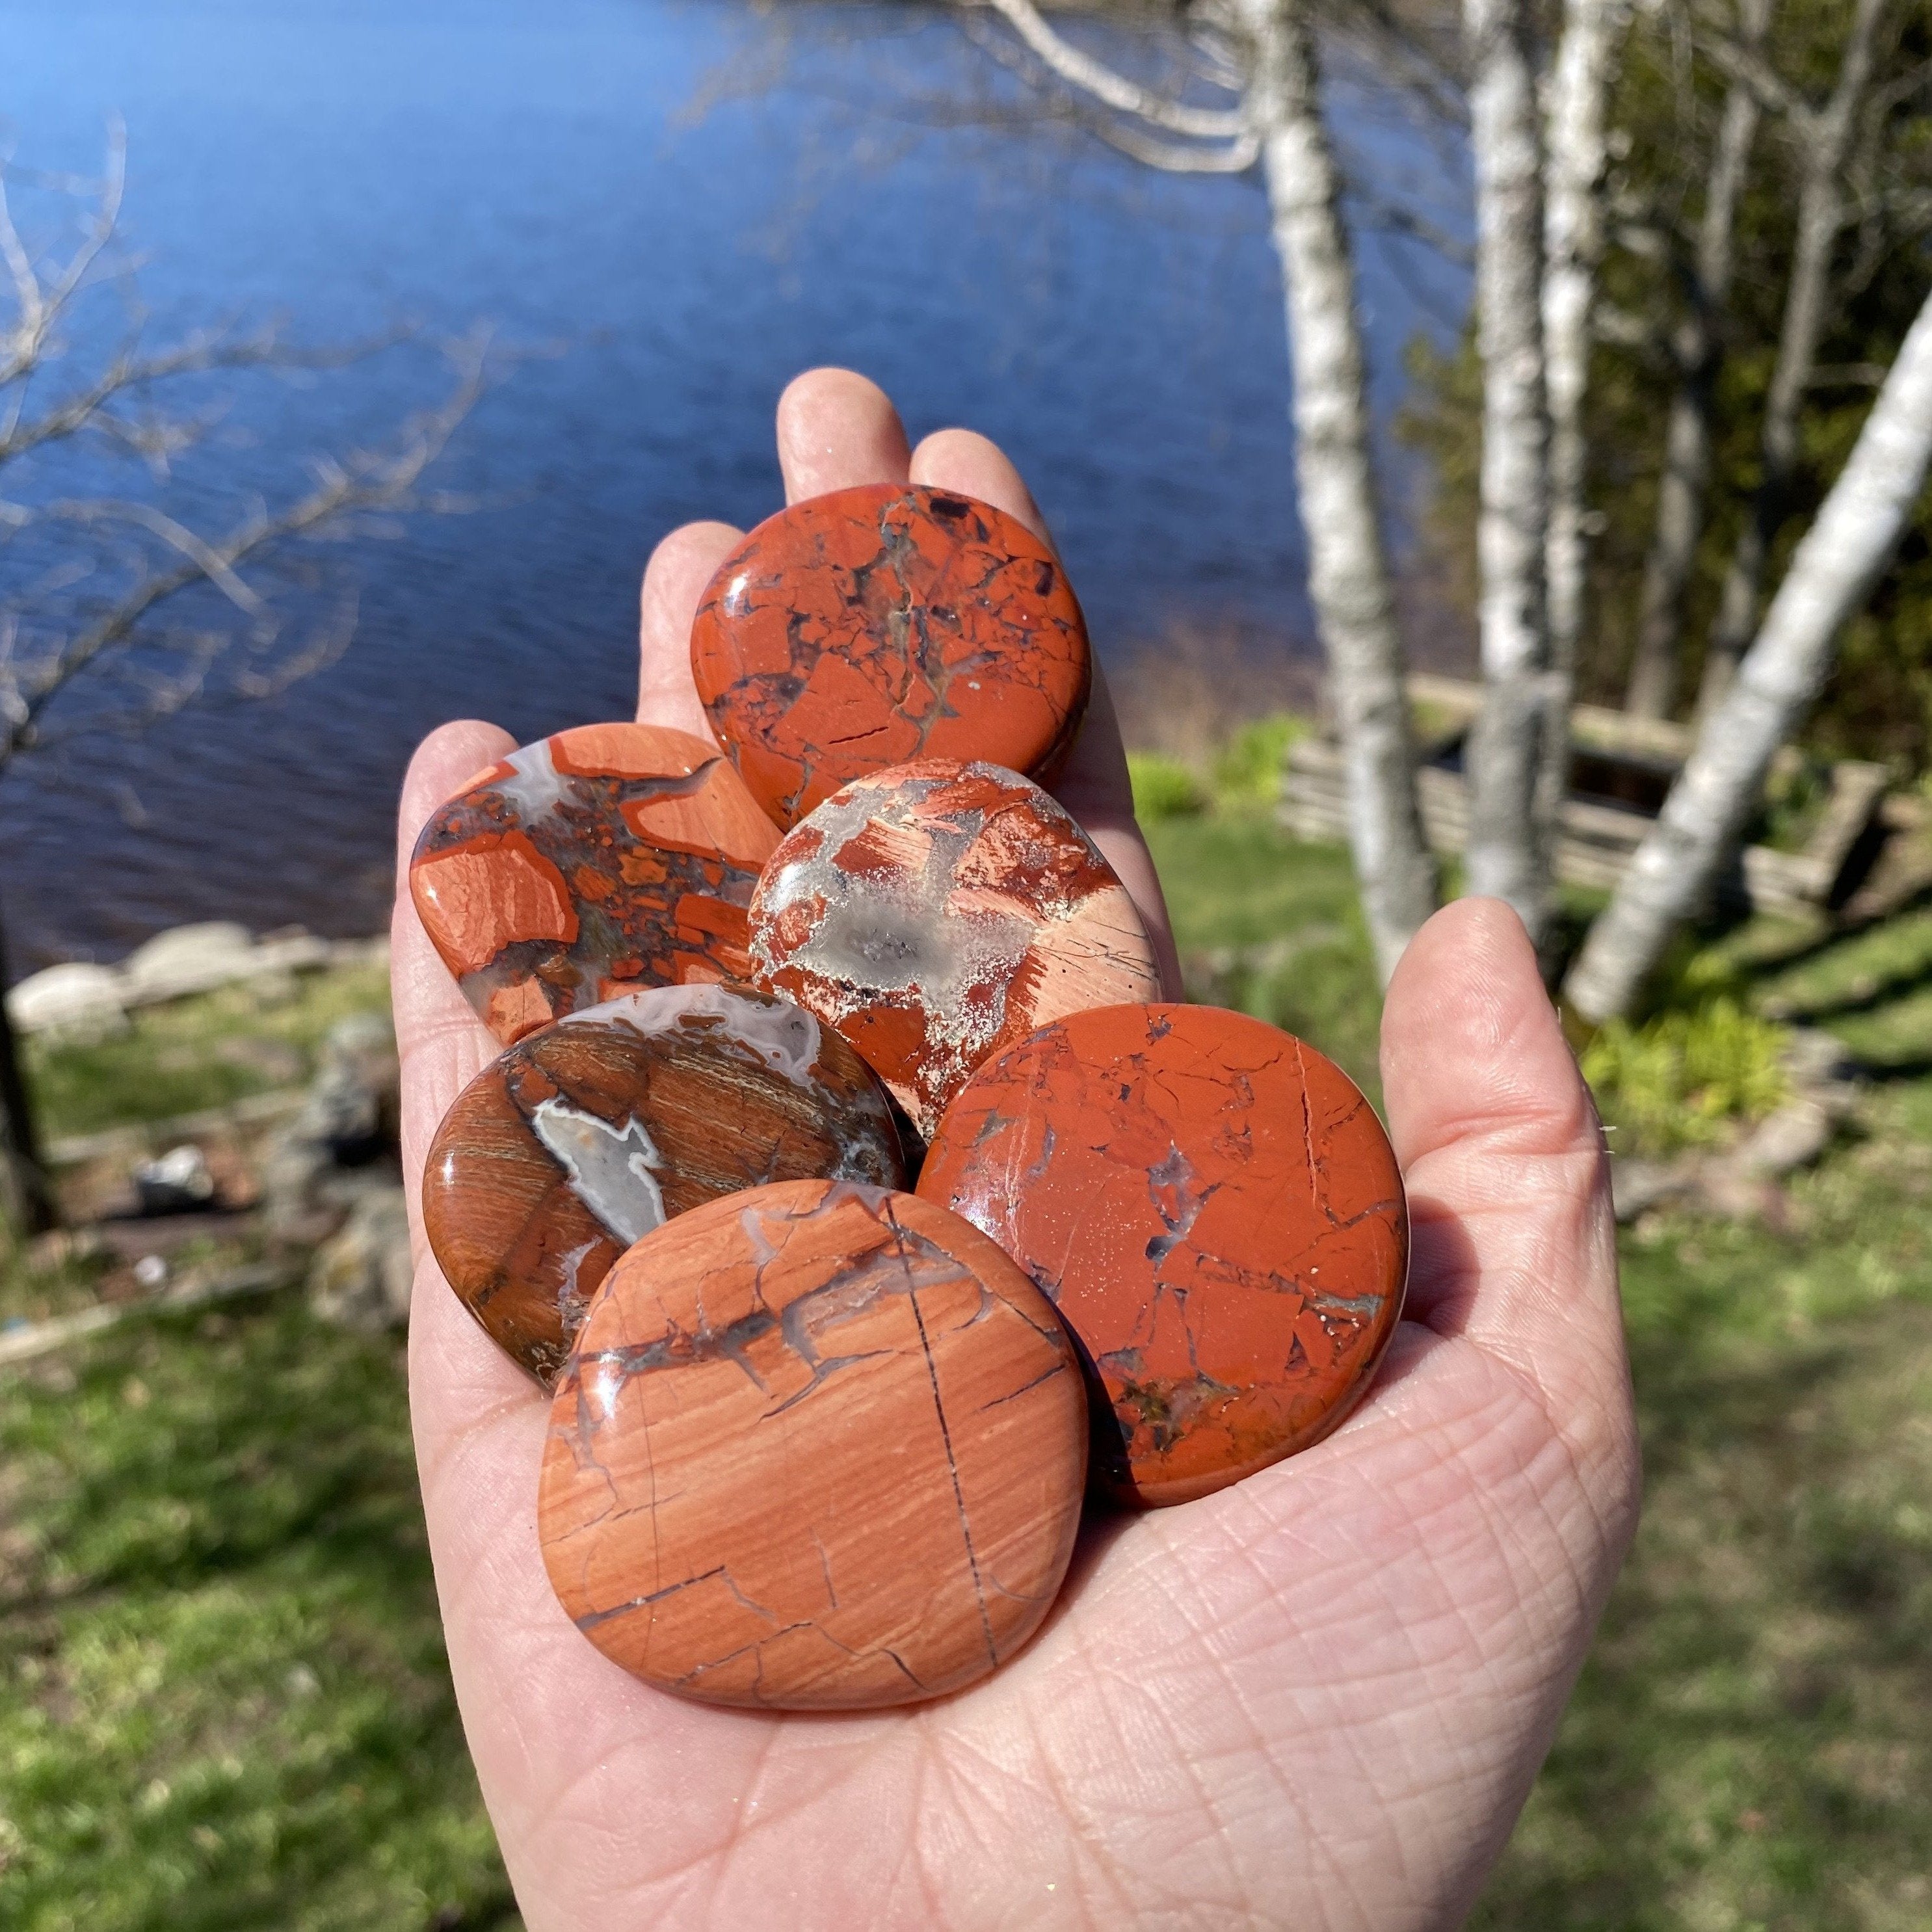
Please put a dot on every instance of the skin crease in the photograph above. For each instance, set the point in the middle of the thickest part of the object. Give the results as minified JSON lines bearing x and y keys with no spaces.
{"x":1314,"y":1700}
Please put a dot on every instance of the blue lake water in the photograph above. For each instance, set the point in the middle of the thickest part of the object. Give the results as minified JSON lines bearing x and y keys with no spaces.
{"x":349,"y":162}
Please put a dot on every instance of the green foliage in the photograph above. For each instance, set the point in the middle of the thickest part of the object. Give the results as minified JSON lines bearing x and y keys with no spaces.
{"x":1164,"y":787}
{"x":1681,"y":1078}
{"x":1248,"y":769}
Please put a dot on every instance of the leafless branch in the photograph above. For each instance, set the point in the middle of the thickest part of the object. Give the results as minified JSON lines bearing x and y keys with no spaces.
{"x":1111,"y":87}
{"x":1060,"y":98}
{"x":360,"y":483}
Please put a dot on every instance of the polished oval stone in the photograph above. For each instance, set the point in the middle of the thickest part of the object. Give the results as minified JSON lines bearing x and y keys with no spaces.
{"x":579,"y":1140}
{"x":820,"y":1447}
{"x":1215,"y":1210}
{"x":607,"y":858}
{"x":858,"y":630}
{"x":933,"y":913}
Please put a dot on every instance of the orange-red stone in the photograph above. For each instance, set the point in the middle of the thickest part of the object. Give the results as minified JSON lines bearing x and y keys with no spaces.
{"x":1216,"y":1213}
{"x":884,"y":623}
{"x":935,"y":913}
{"x":580,"y":1139}
{"x":820,"y":1447}
{"x":607,"y":858}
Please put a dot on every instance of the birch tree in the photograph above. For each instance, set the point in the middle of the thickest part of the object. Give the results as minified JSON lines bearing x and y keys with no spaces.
{"x":1508,"y":850}
{"x":1837,"y":563}
{"x":1267,"y":66}
{"x":105,"y":657}
{"x":1576,"y":146}
{"x":1697,"y":348}
{"x":1823,"y":137}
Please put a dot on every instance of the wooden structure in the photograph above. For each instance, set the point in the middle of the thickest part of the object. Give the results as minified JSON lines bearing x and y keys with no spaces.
{"x":1620,"y":768}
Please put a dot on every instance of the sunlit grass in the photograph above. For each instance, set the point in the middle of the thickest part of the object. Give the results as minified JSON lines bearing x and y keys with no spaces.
{"x":205,"y":1051}
{"x":227,"y":1704}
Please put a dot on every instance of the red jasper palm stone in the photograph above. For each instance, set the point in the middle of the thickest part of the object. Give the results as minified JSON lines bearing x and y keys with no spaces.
{"x":579,"y":1140}
{"x":935,"y":912}
{"x":819,"y":1446}
{"x":875,"y":625}
{"x":1215,"y":1211}
{"x":605,"y":859}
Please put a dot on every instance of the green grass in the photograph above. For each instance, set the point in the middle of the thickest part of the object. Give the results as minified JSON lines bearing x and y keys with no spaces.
{"x":1751,"y":1744}
{"x":202,"y":1052}
{"x":1233,"y":883}
{"x":227,"y":1703}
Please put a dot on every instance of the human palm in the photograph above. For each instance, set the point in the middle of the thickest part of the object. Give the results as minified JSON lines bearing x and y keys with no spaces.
{"x":1314,"y":1700}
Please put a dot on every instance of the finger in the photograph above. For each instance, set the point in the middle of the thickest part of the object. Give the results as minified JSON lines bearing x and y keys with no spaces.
{"x":675,"y":580}
{"x":1498,"y":1139}
{"x":837,"y":429}
{"x":1093,"y":783}
{"x":976,"y":466}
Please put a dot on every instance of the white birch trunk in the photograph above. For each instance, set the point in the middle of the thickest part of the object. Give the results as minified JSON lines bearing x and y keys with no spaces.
{"x":1507,"y":852}
{"x":1575,"y":156}
{"x":1349,"y":578}
{"x":1824,"y":142}
{"x":1840,"y":559}
{"x":1697,"y":347}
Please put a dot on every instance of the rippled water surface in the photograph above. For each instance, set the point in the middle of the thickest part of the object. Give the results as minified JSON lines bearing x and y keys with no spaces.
{"x":351,"y":161}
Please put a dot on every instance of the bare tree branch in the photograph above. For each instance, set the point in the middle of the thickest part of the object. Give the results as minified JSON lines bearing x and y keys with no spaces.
{"x":1111,"y":87}
{"x":1068,"y":101}
{"x":364,"y":482}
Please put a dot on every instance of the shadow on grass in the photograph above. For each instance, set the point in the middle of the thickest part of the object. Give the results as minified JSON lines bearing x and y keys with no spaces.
{"x":1748,"y":1745}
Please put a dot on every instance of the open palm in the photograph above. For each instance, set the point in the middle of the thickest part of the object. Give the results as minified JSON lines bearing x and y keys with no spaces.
{"x":1314,"y":1700}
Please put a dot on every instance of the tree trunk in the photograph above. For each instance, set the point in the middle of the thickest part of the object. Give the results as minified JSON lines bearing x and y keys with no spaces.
{"x":1349,"y":578}
{"x":1508,"y":853}
{"x":1836,"y":565}
{"x":1825,"y":141}
{"x":27,"y":1198}
{"x":1575,"y":153}
{"x":1697,"y":346}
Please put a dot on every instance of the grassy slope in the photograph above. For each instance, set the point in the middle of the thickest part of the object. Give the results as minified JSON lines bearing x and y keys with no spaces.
{"x":227,"y":1705}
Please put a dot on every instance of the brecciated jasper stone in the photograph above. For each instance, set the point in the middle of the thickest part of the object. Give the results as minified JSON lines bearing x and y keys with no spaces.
{"x":607,"y":858}
{"x":935,"y":913}
{"x":878,"y":625}
{"x":581,"y":1139}
{"x":819,"y":1446}
{"x":1215,"y":1211}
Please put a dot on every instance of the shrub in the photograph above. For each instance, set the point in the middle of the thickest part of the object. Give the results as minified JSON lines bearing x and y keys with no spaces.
{"x":1163,"y":787}
{"x":1247,"y":771}
{"x":1679,"y":1079}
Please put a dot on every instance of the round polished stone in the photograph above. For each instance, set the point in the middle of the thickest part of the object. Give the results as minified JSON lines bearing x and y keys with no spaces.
{"x":579,"y":1140}
{"x":937,"y":911}
{"x":1216,"y":1213}
{"x":607,"y":858}
{"x":858,"y":630}
{"x":819,"y":1446}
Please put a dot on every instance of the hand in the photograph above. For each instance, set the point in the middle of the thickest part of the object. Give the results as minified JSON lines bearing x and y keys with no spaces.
{"x":1316,"y":1700}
